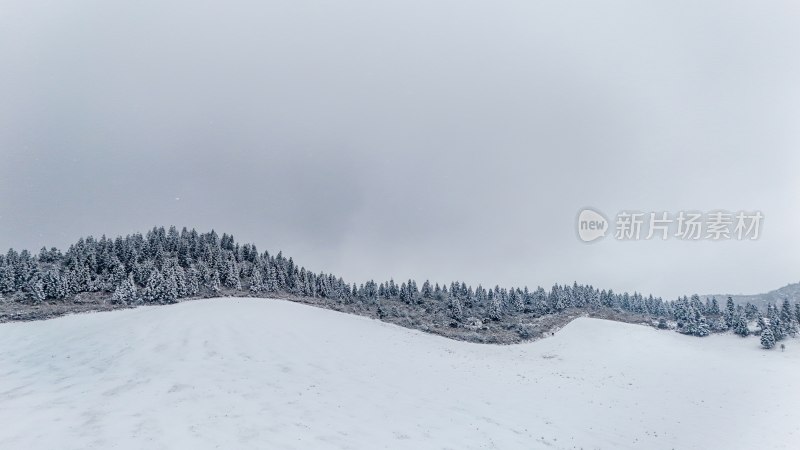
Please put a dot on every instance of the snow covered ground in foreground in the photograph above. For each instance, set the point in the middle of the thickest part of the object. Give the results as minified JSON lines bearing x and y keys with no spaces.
{"x":268,"y":374}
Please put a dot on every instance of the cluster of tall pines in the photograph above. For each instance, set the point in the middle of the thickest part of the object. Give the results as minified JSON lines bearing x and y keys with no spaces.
{"x":166,"y":265}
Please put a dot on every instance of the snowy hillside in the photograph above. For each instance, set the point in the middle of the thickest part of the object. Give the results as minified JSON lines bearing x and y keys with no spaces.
{"x":790,"y":291}
{"x":252,"y":373}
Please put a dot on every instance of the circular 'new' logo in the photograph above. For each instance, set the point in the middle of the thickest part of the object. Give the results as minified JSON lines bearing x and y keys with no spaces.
{"x":592,"y":225}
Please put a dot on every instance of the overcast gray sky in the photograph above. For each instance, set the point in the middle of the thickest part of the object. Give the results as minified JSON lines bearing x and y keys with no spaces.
{"x":409,"y":138}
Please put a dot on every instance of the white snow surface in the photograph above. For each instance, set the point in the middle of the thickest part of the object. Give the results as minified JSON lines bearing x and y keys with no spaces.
{"x":237,"y":373}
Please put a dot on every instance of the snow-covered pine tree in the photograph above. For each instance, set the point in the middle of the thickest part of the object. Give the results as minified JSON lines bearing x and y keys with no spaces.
{"x":380,"y":311}
{"x":153,"y":291}
{"x":594,"y":298}
{"x":775,"y":322}
{"x":37,"y":291}
{"x":562,"y":298}
{"x":539,"y":301}
{"x":272,"y":279}
{"x":7,"y":279}
{"x":256,"y":281}
{"x":797,"y":312}
{"x":761,"y":322}
{"x":730,"y":313}
{"x":713,"y":308}
{"x":125,"y":293}
{"x":118,"y":272}
{"x":403,"y":293}
{"x":494,"y":307}
{"x":213,"y":282}
{"x":740,"y":326}
{"x":232,"y":279}
{"x":63,"y":290}
{"x":280,"y":273}
{"x":170,"y":291}
{"x":296,"y":284}
{"x":515,"y":300}
{"x":192,"y":282}
{"x":750,"y":311}
{"x":309,"y":283}
{"x":118,"y":297}
{"x":767,"y":339}
{"x":456,"y":308}
{"x":427,"y":292}
{"x":701,"y":327}
{"x":788,"y":324}
{"x":695,"y":323}
{"x":52,"y":280}
{"x":180,"y":279}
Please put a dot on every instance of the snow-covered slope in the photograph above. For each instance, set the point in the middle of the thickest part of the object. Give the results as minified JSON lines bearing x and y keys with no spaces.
{"x":252,"y":373}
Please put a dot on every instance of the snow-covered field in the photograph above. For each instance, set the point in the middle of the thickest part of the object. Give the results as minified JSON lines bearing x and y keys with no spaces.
{"x":269,"y":374}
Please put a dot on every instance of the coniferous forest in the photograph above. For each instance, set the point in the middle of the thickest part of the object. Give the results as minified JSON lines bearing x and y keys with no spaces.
{"x":166,"y":265}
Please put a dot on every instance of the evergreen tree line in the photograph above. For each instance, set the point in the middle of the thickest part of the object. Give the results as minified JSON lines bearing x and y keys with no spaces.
{"x":165,"y":265}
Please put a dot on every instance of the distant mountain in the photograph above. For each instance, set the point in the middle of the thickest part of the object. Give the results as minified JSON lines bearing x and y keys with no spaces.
{"x":790,"y":291}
